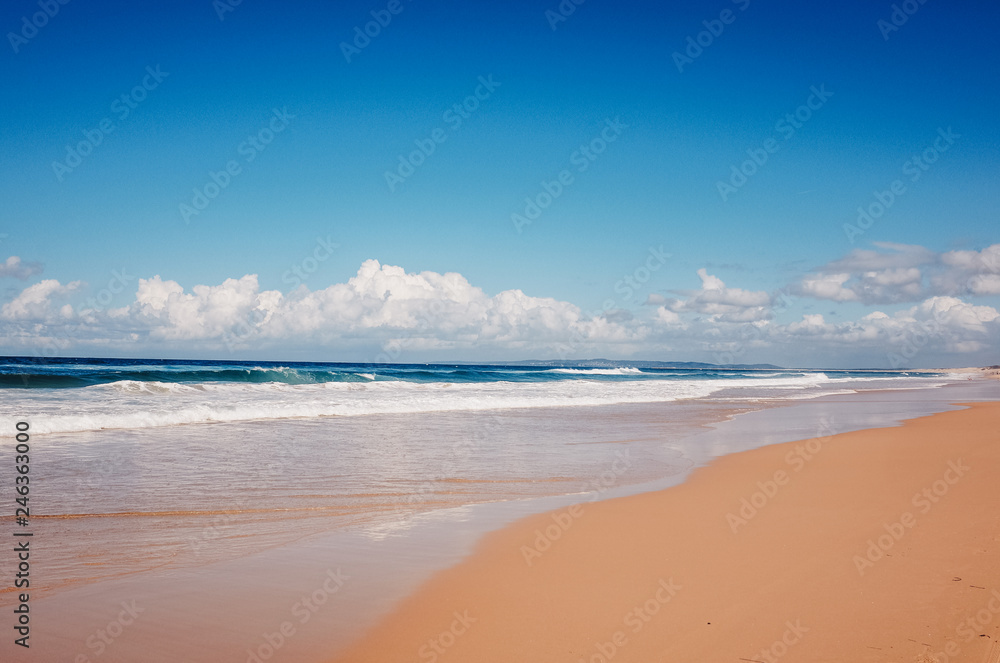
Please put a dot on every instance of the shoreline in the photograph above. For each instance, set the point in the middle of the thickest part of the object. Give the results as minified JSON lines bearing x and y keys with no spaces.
{"x":730,"y":579}
{"x":988,"y":372}
{"x":252,"y":593}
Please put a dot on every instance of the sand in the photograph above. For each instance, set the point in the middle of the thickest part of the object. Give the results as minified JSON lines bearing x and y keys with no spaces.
{"x":876,"y":545}
{"x":992,"y":372}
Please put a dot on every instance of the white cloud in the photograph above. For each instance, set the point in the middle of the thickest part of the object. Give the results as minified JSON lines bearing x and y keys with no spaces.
{"x":381,"y":305}
{"x":984,"y":284}
{"x":667,"y":317}
{"x":208,"y":312}
{"x":812,"y":323}
{"x":35,"y":303}
{"x":723,"y":304}
{"x":956,"y":316}
{"x":18,"y":269}
{"x":987,"y":260}
{"x":384,"y":313}
{"x":709,"y":282}
{"x":938,"y":324}
{"x":970,"y":272}
{"x":895,"y":284}
{"x":827,"y":286}
{"x":901,"y":273}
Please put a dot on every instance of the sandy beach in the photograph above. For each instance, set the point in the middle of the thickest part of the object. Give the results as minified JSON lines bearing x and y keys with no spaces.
{"x":555,"y":332}
{"x":875,"y":545}
{"x":588,"y":533}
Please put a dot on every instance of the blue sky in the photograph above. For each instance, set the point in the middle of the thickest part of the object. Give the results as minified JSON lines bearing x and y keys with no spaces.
{"x":324,"y":173}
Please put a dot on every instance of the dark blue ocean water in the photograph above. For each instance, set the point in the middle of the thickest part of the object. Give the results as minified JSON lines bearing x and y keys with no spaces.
{"x":62,"y":373}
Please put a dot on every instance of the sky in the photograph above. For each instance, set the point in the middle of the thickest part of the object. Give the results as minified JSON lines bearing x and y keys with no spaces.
{"x":408,"y":181}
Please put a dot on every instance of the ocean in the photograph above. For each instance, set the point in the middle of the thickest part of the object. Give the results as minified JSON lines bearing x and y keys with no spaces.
{"x":75,"y":395}
{"x":152,"y":478}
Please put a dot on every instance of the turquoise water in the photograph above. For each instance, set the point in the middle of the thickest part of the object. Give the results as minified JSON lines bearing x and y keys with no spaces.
{"x":74,"y":395}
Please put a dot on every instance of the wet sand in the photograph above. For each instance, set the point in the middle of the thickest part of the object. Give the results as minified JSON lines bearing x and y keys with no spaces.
{"x":313,"y":598}
{"x":875,"y":545}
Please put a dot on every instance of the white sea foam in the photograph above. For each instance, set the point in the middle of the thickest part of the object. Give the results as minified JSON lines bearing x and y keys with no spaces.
{"x":131,"y":404}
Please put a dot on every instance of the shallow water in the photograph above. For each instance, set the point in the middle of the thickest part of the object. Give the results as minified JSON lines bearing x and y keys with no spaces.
{"x":238,"y":520}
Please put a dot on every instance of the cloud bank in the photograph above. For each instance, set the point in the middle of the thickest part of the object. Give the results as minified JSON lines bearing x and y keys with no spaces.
{"x":905,"y":273}
{"x":385,"y":314}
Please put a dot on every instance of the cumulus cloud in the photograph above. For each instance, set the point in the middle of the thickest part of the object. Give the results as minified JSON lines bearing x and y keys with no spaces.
{"x":974,"y":261}
{"x":901,"y":273}
{"x":207,"y":312}
{"x":18,"y":269}
{"x":970,"y":272}
{"x":827,"y":286}
{"x":709,"y":282}
{"x":943,"y":324}
{"x":38,"y":302}
{"x":384,"y":313}
{"x":811,"y":323}
{"x":382,"y":305}
{"x":720,"y":303}
{"x":667,"y":317}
